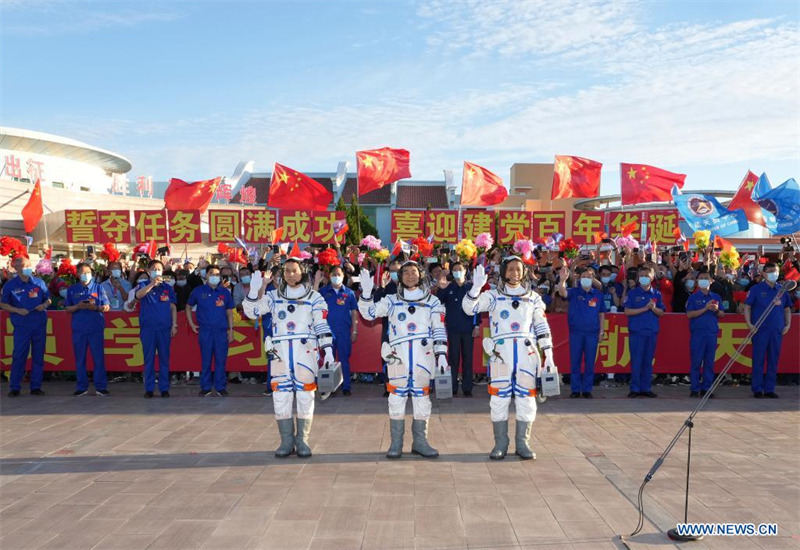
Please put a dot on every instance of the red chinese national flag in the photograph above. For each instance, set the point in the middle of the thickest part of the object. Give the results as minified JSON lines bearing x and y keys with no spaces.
{"x":379,"y":167}
{"x":642,"y":183}
{"x":197,"y":195}
{"x":480,"y":187}
{"x":742,"y":200}
{"x":575,"y":177}
{"x":32,"y":211}
{"x":294,"y":190}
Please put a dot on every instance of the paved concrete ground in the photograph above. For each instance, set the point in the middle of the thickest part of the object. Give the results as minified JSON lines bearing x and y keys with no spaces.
{"x":187,"y":472}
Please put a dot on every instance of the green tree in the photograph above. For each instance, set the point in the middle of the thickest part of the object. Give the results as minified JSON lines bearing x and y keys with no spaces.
{"x":357,"y":221}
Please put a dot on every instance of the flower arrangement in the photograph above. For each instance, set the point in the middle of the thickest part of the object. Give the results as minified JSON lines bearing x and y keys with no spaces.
{"x":110,"y":252}
{"x":569,"y":248}
{"x":371,"y":242}
{"x":361,"y":257}
{"x":730,"y":258}
{"x":328,"y":257}
{"x":466,"y":250}
{"x":702,"y":238}
{"x":484,"y":242}
{"x":523,"y":247}
{"x":67,"y":272}
{"x":626,"y":242}
{"x":381,"y":255}
{"x":305,"y":255}
{"x":423,"y":246}
{"x":44,"y":269}
{"x":9,"y":246}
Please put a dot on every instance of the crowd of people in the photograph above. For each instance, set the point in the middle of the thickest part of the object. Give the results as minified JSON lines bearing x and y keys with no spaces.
{"x":605,"y":279}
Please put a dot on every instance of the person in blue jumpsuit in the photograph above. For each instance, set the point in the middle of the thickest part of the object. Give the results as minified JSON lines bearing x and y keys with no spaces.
{"x":703,"y":309}
{"x":585,"y":318}
{"x":215,"y":317}
{"x":158,"y":323}
{"x":26,"y":298}
{"x":462,"y":329}
{"x":342,"y":307}
{"x":87,"y":301}
{"x":644,"y":307}
{"x":767,"y":341}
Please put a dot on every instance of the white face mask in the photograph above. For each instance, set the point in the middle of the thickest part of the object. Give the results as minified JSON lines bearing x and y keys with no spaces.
{"x":586,"y":283}
{"x":336,"y":280}
{"x":772,"y":276}
{"x":458,"y":275}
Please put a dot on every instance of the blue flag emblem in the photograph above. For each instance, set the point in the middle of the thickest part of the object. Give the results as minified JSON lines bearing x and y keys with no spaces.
{"x":780,"y":206}
{"x":704,"y":212}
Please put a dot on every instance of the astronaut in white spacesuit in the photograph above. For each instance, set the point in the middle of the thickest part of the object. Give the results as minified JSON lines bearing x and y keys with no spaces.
{"x":417,"y":346}
{"x":517,"y":326}
{"x":299,"y":331}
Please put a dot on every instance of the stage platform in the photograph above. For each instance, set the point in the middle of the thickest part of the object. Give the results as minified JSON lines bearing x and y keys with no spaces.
{"x":124,"y":472}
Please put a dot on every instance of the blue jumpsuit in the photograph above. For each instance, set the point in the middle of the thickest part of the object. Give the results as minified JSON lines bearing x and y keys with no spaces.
{"x":212,"y":304}
{"x":702,"y":340}
{"x":583,"y":317}
{"x":643,"y":333}
{"x":155,"y":324}
{"x":30,"y":331}
{"x":341,"y":304}
{"x":767,"y":341}
{"x":88,"y":328}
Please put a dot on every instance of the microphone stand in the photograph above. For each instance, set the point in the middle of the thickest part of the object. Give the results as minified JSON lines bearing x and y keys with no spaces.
{"x":786,"y":286}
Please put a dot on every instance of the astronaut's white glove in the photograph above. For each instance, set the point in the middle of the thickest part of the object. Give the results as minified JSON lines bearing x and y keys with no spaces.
{"x":549,"y":364}
{"x":328,"y":359}
{"x":367,"y":284}
{"x":478,"y":280}
{"x":255,"y":285}
{"x":441,"y":362}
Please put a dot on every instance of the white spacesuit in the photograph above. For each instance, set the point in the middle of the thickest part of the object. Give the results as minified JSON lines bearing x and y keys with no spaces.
{"x":299,"y":331}
{"x":517,"y":326}
{"x":417,"y":346}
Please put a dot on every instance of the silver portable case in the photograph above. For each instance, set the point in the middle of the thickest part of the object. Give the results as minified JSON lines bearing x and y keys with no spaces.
{"x":329,"y":378}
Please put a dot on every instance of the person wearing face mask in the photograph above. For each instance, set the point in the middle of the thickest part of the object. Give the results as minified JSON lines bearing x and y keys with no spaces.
{"x":242,"y":288}
{"x":116,"y":287}
{"x":644,"y":307}
{"x":26,"y":298}
{"x":703,"y":309}
{"x":182,"y":289}
{"x":767,"y":341}
{"x":158,"y":323}
{"x":87,"y":301}
{"x":198,"y":277}
{"x":300,"y":334}
{"x":388,"y":287}
{"x":518,"y":327}
{"x":215,"y":318}
{"x":416,"y":349}
{"x":461,"y":328}
{"x":585,"y":318}
{"x":610,"y":289}
{"x":342,"y":318}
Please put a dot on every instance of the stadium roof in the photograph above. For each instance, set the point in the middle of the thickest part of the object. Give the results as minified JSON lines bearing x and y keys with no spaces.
{"x":40,"y":143}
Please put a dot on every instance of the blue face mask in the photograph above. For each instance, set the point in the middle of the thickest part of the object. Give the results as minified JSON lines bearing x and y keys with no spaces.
{"x":116,"y":273}
{"x":246,"y":279}
{"x":203,"y":273}
{"x":607,"y":279}
{"x":27,"y":271}
{"x":86,"y":278}
{"x":63,"y":293}
{"x":155,"y":274}
{"x":704,"y":283}
{"x":458,"y":275}
{"x":586,"y":283}
{"x":336,"y":280}
{"x":393,"y":276}
{"x":644,"y":280}
{"x":772,"y":276}
{"x":744,"y":282}
{"x":690,"y":284}
{"x":213,"y":280}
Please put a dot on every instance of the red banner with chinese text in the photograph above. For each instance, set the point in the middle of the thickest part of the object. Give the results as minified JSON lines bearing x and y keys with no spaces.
{"x":184,"y":226}
{"x":661,"y":226}
{"x":113,"y":226}
{"x":544,"y":224}
{"x":475,"y":222}
{"x":80,"y":225}
{"x":585,"y":225}
{"x":407,"y":224}
{"x":259,"y":224}
{"x":224,"y":225}
{"x":150,"y":225}
{"x":511,"y":222}
{"x":443,"y":225}
{"x":124,"y":353}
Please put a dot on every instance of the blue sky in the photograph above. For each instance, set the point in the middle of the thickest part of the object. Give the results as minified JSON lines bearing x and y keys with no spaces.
{"x":187,"y":89}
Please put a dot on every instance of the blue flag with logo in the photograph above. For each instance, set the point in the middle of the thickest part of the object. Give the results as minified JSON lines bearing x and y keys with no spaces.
{"x":704,"y":212}
{"x":780,"y":206}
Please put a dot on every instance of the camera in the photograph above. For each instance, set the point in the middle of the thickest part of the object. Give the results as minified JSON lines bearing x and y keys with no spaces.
{"x":787,"y":244}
